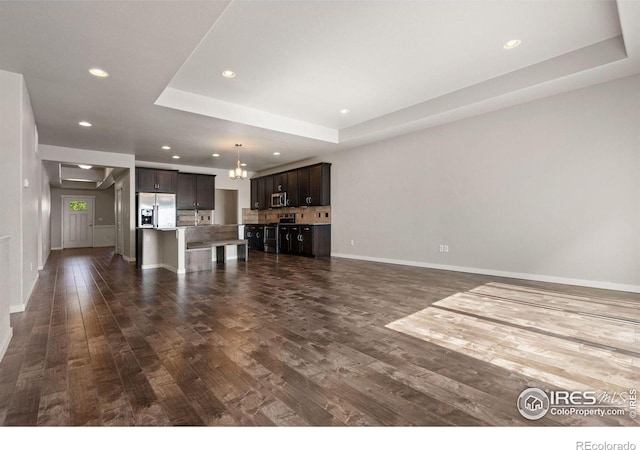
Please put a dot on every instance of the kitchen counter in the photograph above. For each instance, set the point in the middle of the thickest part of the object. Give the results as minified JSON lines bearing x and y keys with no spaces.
{"x":161,"y":247}
{"x":166,"y":247}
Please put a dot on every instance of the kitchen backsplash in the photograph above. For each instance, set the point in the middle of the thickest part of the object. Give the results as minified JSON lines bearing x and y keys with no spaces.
{"x":188,"y":218}
{"x":306,"y":215}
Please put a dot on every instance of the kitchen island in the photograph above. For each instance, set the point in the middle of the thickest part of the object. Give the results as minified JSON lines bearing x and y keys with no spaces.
{"x":172,"y":248}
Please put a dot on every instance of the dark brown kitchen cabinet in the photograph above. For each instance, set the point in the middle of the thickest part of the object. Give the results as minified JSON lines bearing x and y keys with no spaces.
{"x":255,"y":197}
{"x":305,"y":240}
{"x":262,"y":188}
{"x":156,"y":180}
{"x":254,"y":234}
{"x":265,"y":189}
{"x":314,"y":185}
{"x":206,"y":192}
{"x":287,"y":234}
{"x":196,"y":191}
{"x":292,"y":188}
{"x":306,"y":186}
{"x":280,"y":182}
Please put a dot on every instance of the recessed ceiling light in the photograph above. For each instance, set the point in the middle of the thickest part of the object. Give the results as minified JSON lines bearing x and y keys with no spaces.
{"x":345,"y":111}
{"x":276,"y":153}
{"x":166,"y":147}
{"x":84,"y":123}
{"x":228,"y":74}
{"x":175,"y":157}
{"x":85,"y":166}
{"x":513,"y":43}
{"x":96,"y":72}
{"x":243,"y":164}
{"x":216,"y":155}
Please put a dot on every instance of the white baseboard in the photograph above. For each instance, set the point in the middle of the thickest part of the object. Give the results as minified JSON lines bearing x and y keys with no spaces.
{"x":46,"y":258}
{"x":4,"y":342}
{"x":499,"y":273}
{"x":56,"y":248}
{"x":163,"y":266}
{"x":128,"y":259}
{"x":22,"y":307}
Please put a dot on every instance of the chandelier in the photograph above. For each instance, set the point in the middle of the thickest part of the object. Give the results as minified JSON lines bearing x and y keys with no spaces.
{"x":238,"y":173}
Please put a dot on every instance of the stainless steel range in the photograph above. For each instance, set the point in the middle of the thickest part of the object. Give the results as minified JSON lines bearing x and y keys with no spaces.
{"x":271,"y":232}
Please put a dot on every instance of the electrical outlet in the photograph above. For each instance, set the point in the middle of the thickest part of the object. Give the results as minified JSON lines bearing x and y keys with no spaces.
{"x":441,"y":248}
{"x":352,"y":243}
{"x":446,"y":248}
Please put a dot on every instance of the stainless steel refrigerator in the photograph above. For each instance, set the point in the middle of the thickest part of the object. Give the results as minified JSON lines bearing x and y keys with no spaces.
{"x":156,"y":210}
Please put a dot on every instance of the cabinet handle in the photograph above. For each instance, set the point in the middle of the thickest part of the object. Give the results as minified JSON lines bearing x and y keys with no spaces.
{"x":248,"y":234}
{"x":286,"y":236}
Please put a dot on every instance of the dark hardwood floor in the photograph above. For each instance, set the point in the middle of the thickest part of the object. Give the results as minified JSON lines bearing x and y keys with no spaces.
{"x":278,"y":340}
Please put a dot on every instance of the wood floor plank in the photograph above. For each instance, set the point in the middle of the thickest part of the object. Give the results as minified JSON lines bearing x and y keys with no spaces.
{"x":601,"y":306}
{"x":598,"y":330}
{"x":288,"y":341}
{"x":557,"y":361}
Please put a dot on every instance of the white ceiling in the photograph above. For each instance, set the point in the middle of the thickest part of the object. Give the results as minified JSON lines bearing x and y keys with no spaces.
{"x":71,"y":176}
{"x":398,"y":66}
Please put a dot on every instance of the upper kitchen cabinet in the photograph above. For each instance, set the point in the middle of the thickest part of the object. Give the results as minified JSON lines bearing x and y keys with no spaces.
{"x":292,"y":188}
{"x":280,"y":183}
{"x":255,"y":197}
{"x":306,"y":186}
{"x":156,"y":180}
{"x":314,"y":185}
{"x":265,"y":190}
{"x":196,"y":191}
{"x":206,"y":192}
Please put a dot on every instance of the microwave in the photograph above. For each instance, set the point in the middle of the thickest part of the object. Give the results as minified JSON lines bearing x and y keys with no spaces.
{"x":279,"y":200}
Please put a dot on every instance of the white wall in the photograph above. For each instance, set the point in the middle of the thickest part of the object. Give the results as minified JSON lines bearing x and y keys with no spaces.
{"x":31,"y":171}
{"x":126,"y":183}
{"x":44,"y":220}
{"x":547,"y":190}
{"x":226,"y":207}
{"x":5,"y":325}
{"x":10,"y":176}
{"x":20,"y":178}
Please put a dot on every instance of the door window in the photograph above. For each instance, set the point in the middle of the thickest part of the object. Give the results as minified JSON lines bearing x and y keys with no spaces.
{"x":77,"y":205}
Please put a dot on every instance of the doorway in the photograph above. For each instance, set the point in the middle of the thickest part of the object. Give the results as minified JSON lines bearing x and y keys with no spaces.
{"x":77,"y":221}
{"x":226,"y":207}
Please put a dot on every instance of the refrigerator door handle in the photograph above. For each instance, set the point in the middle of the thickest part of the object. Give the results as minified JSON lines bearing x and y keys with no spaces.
{"x":156,"y":211}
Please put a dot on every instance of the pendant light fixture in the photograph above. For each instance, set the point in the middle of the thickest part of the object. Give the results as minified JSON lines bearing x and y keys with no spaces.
{"x":238,"y":173}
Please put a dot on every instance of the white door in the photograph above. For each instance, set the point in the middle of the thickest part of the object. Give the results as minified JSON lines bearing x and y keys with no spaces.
{"x":119,"y":234}
{"x":77,"y":221}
